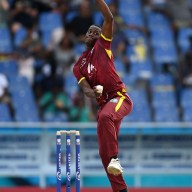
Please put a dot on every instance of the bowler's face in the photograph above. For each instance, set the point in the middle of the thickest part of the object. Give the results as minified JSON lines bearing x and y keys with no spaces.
{"x":92,"y":35}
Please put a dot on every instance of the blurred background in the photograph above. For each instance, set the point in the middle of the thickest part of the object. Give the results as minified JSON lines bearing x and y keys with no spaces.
{"x":40,"y":40}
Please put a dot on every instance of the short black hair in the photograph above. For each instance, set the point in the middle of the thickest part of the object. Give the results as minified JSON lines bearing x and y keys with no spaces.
{"x":97,"y":25}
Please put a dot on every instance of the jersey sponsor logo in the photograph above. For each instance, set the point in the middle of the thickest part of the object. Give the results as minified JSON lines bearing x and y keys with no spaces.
{"x":91,"y":70}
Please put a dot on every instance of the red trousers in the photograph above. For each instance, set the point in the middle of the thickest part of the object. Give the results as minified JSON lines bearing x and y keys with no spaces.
{"x":109,"y":119}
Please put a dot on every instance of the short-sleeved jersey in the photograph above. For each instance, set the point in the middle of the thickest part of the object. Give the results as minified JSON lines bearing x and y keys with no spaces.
{"x":97,"y":67}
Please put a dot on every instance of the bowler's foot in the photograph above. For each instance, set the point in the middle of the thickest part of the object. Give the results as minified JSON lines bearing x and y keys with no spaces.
{"x":114,"y":167}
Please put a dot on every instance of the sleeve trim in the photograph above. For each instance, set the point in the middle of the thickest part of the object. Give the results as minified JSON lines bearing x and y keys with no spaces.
{"x":82,"y":78}
{"x":107,"y":39}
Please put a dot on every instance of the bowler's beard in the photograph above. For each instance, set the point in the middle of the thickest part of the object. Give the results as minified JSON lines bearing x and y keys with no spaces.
{"x":90,"y":44}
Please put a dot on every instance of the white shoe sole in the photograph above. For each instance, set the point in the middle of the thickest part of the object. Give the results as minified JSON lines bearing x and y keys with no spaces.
{"x":114,"y":171}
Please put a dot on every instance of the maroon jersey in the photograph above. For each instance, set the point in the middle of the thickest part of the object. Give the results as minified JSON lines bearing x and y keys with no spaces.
{"x":97,"y":67}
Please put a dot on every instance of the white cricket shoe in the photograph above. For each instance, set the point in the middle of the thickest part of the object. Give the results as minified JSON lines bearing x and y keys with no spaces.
{"x":114,"y":167}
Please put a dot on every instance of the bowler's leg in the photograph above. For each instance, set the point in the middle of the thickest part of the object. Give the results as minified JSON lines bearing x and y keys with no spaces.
{"x":108,"y":129}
